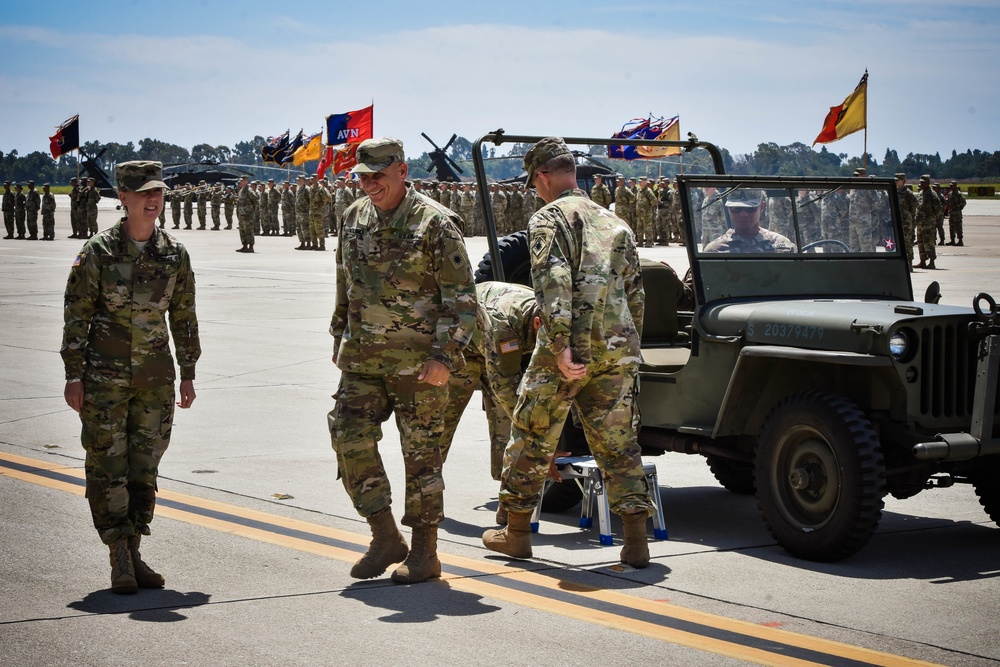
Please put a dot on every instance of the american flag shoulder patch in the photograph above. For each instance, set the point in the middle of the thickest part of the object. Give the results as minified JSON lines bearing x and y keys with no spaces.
{"x":509,"y":346}
{"x":79,"y":260}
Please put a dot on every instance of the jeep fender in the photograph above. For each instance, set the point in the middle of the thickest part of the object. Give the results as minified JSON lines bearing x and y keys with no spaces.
{"x":765,"y":374}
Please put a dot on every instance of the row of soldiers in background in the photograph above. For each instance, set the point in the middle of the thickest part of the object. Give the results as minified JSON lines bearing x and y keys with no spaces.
{"x":83,"y":200}
{"x":651,"y":207}
{"x":924,"y":213}
{"x":186,"y":198}
{"x":21,"y":209}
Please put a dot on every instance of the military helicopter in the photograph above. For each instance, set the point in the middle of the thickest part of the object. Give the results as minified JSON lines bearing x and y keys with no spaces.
{"x":443,"y":166}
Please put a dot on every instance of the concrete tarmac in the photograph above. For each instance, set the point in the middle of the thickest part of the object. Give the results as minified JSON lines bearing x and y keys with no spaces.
{"x":255,"y":534}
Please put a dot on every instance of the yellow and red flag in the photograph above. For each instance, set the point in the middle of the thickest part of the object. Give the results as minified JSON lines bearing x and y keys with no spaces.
{"x":345,"y":158}
{"x":312,"y":149}
{"x":848,"y":117}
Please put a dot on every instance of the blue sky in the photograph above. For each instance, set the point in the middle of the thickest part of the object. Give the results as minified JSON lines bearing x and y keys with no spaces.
{"x":738,"y":73}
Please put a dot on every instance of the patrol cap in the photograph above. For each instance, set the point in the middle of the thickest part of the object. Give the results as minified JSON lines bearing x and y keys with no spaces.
{"x":542,"y":152}
{"x":926,"y":177}
{"x":953,"y":183}
{"x":374,"y":155}
{"x":139,"y":175}
{"x":31,"y":182}
{"x":745,"y":198}
{"x":900,"y":176}
{"x":8,"y":182}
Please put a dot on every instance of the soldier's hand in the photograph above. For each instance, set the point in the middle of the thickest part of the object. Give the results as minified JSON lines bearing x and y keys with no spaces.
{"x":187,"y":394}
{"x":434,"y":373}
{"x":571,"y":370}
{"x":73,"y":393}
{"x":553,"y":470}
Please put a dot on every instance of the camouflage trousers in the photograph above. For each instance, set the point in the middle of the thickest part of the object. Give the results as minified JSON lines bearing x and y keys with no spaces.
{"x":288,"y":221}
{"x":317,"y":233}
{"x":175,"y":215}
{"x":202,"y":216}
{"x":645,"y":230}
{"x":302,"y":227}
{"x":19,"y":222}
{"x":605,"y":402}
{"x":163,"y":217}
{"x":8,"y":222}
{"x":48,"y":225}
{"x":32,"y":220}
{"x":125,"y":433}
{"x":246,"y":230}
{"x":216,"y":217}
{"x":74,"y":221}
{"x":363,"y":403}
{"x":92,"y":221}
{"x":461,"y":385}
{"x":926,"y":236}
{"x":908,"y":234}
{"x":955,"y":226}
{"x":188,"y":219}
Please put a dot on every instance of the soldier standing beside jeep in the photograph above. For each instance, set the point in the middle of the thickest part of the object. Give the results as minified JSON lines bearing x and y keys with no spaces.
{"x":585,"y":269}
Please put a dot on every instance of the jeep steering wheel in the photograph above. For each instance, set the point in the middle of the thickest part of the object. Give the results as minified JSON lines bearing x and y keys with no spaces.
{"x":823,"y":242}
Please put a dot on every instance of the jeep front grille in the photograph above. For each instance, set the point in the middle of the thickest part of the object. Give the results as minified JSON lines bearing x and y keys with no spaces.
{"x":948,"y":372}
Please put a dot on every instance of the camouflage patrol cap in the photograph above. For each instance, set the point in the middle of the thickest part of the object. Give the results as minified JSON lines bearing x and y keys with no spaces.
{"x":139,"y":175}
{"x":8,"y":182}
{"x":542,"y":152}
{"x":745,"y":198}
{"x":926,"y":177}
{"x":900,"y":176}
{"x":374,"y":155}
{"x":953,"y":183}
{"x":202,"y":182}
{"x":31,"y":182}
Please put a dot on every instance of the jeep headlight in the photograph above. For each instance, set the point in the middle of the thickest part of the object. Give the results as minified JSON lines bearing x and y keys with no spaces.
{"x":899,"y":345}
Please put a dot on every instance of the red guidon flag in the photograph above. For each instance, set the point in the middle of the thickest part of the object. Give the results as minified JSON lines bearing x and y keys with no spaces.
{"x":848,"y":117}
{"x":344,"y":158}
{"x":66,"y":138}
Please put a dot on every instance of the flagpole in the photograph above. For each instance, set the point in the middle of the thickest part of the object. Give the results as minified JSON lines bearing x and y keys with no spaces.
{"x":864,"y":158}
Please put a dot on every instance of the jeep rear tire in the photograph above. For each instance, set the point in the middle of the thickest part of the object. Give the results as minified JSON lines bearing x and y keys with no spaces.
{"x":820,"y":476}
{"x":733,"y":475}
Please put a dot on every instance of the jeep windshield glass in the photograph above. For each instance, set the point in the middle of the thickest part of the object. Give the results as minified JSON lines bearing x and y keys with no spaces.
{"x":802,"y":220}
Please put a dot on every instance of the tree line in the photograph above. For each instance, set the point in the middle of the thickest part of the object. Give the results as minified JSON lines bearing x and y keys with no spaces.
{"x":769,"y":159}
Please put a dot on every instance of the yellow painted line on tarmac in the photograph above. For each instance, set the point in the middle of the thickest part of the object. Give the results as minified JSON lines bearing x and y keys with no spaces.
{"x":500,"y":581}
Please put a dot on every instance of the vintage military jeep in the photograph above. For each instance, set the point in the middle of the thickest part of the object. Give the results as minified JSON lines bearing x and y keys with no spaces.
{"x":804,"y":371}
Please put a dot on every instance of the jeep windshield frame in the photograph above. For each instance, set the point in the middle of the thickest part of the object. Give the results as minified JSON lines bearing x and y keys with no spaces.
{"x":499,"y":137}
{"x":831,"y":238}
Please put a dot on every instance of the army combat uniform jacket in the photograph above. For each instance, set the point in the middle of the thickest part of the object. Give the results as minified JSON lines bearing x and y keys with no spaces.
{"x":405,"y":291}
{"x":118,"y":305}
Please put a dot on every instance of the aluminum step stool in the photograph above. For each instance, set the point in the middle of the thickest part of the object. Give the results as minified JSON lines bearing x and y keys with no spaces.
{"x":586,"y":473}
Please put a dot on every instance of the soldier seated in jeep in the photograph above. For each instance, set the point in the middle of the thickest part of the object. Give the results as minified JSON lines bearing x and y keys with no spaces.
{"x":745,"y":207}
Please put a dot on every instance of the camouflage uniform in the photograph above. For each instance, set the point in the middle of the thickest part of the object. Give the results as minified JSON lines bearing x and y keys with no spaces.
{"x":176,"y":196}
{"x":32,"y":204}
{"x":228,"y":205}
{"x":835,"y":217}
{"x":93,"y":198}
{"x":302,"y":214}
{"x":405,"y":294}
{"x":928,"y":209}
{"x":585,"y":271}
{"x":515,"y":210}
{"x":19,"y":199}
{"x":764,"y":241}
{"x":341,"y":200}
{"x":501,"y":346}
{"x":908,"y":211}
{"x":779,"y":216}
{"x":645,"y":210}
{"x":600,"y":194}
{"x":287,"y":211}
{"x":74,"y":208}
{"x":119,"y":301}
{"x":625,"y":205}
{"x":216,"y":198}
{"x":810,"y":212}
{"x":319,"y":201}
{"x":498,"y":200}
{"x":712,"y":214}
{"x":188,"y":199}
{"x":48,"y":215}
{"x":863,"y":214}
{"x":273,"y":205}
{"x":8,"y":211}
{"x":664,"y":198}
{"x":202,"y":201}
{"x":246,"y":213}
{"x":939,"y":223}
{"x":956,"y":202}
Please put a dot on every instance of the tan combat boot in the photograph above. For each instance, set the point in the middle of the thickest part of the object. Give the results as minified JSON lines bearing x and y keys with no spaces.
{"x":122,"y":572}
{"x":422,"y":563}
{"x":514,"y":539}
{"x":387,"y":547}
{"x":144,"y":574}
{"x":636,"y":549}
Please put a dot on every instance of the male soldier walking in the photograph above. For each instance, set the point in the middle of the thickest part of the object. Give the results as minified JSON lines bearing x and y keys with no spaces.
{"x":585,"y":271}
{"x":406,"y":308}
{"x":126,"y":285}
{"x":956,"y":202}
{"x":8,"y":210}
{"x":48,"y":214}
{"x":32,"y":204}
{"x":928,"y":209}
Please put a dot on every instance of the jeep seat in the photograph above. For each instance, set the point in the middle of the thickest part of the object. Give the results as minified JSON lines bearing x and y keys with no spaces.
{"x":662,"y":349}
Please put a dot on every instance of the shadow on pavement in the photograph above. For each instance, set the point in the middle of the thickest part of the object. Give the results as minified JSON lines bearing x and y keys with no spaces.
{"x":151,"y":606}
{"x":427,"y":602}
